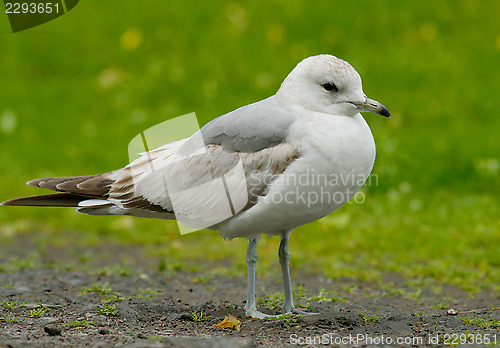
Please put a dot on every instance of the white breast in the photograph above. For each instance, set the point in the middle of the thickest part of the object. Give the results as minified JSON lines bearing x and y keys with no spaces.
{"x":337,"y":155}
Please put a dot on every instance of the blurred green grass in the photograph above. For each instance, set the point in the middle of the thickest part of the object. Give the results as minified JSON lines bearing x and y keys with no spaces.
{"x":75,"y":91}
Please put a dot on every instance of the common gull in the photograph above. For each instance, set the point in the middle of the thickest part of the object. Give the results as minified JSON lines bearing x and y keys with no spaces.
{"x":301,"y":154}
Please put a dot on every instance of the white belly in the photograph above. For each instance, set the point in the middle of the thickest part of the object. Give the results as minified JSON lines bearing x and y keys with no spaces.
{"x":337,"y":155}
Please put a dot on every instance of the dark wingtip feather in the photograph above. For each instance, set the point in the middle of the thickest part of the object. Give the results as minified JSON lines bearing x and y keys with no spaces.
{"x":88,"y":185}
{"x":52,"y":200}
{"x":11,"y":202}
{"x":35,"y":182}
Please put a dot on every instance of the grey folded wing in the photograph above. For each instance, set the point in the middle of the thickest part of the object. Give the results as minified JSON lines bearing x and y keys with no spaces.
{"x":246,"y":149}
{"x":219,"y":171}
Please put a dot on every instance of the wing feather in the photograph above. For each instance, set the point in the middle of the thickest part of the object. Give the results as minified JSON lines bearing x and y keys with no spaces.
{"x":244,"y":152}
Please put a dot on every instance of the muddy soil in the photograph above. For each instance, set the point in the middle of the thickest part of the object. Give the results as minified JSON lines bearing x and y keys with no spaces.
{"x":155,"y":309}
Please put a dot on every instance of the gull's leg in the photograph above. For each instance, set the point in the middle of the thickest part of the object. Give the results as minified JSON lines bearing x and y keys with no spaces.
{"x":252,"y":258}
{"x":284,"y":256}
{"x":251,"y":308}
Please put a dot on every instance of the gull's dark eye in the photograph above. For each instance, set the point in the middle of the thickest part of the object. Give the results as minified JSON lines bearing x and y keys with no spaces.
{"x":330,"y":87}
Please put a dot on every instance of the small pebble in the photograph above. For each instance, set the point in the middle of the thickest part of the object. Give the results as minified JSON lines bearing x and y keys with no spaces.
{"x":452,"y":312}
{"x":52,"y":330}
{"x":104,"y":331}
{"x":185,"y":316}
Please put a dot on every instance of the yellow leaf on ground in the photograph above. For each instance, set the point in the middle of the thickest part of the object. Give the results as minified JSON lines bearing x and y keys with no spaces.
{"x":230,"y":322}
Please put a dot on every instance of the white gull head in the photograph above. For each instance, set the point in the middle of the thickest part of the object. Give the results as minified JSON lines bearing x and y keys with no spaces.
{"x":329,"y":85}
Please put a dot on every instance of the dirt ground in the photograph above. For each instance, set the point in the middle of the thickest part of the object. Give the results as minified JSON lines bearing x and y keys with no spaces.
{"x":57,"y":308}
